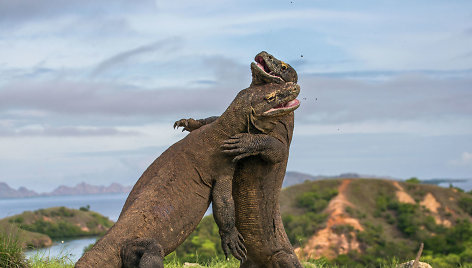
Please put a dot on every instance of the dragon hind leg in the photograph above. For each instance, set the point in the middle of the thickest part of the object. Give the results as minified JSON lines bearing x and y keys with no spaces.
{"x":142,"y":253}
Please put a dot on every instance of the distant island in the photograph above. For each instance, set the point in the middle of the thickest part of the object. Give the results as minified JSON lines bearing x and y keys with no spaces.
{"x":291,"y":178}
{"x":80,"y":189}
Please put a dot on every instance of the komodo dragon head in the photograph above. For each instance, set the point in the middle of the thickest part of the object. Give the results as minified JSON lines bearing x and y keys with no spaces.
{"x":265,"y":104}
{"x":268,"y":69}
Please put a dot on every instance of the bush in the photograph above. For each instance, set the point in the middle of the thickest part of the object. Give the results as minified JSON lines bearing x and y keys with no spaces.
{"x":17,"y":220}
{"x":465,"y":203}
{"x":413,"y":180}
{"x":102,"y":220}
{"x":313,"y":202}
{"x":87,"y":248}
{"x":300,"y":227}
{"x":203,"y":245}
{"x":55,"y":230}
{"x":86,"y":208}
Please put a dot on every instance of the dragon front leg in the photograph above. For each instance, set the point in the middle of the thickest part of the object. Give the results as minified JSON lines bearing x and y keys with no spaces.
{"x":243,"y":145}
{"x":191,"y":124}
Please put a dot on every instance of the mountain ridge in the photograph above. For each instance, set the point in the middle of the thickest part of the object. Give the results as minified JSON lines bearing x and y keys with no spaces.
{"x":291,"y":178}
{"x":80,"y":189}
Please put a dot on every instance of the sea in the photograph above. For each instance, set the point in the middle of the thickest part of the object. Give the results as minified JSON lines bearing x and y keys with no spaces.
{"x":109,"y":205}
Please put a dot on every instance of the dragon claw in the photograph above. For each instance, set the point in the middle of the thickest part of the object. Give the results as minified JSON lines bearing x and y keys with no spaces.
{"x":187,"y":124}
{"x":240,"y":146}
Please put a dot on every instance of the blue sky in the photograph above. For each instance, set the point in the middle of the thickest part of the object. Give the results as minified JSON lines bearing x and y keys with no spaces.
{"x":89,"y":90}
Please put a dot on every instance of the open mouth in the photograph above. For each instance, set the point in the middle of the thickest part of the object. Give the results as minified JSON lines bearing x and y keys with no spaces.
{"x":284,"y":107}
{"x":260,"y":62}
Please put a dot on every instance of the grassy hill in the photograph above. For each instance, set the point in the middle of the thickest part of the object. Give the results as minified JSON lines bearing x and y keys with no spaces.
{"x":26,"y":239}
{"x":37,"y":228}
{"x":364,"y":222}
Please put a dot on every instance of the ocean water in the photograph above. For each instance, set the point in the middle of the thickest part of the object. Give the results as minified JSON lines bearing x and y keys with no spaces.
{"x":109,"y":205}
{"x":465,"y":185}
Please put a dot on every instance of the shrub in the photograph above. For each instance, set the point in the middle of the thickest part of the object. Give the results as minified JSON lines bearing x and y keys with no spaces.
{"x":59,"y":229}
{"x":465,"y":203}
{"x":203,"y":245}
{"x":413,"y":180}
{"x":87,"y":248}
{"x":300,"y":227}
{"x":17,"y":220}
{"x":86,"y":208}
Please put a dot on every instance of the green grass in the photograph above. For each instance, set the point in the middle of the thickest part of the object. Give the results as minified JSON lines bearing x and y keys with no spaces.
{"x":11,"y":252}
{"x":320,"y":263}
{"x":41,"y":261}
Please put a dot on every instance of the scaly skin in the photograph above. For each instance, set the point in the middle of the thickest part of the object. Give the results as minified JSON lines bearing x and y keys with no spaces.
{"x":262,"y":161}
{"x":172,"y":195}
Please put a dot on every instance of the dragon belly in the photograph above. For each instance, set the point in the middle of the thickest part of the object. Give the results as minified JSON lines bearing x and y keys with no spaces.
{"x":256,"y":192}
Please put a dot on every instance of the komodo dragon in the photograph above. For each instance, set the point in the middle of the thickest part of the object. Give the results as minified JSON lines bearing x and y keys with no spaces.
{"x":172,"y":195}
{"x":258,"y":178}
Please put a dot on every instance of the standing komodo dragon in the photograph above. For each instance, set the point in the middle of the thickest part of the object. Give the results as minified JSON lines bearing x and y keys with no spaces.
{"x":258,"y":178}
{"x":172,"y":195}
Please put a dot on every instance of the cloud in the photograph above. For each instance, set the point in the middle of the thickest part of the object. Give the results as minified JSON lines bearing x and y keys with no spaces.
{"x":20,"y":11}
{"x":464,"y":160}
{"x":411,"y":127}
{"x":127,"y":55}
{"x":324,"y":100}
{"x":49,"y":131}
{"x":399,"y":97}
{"x":85,"y":98}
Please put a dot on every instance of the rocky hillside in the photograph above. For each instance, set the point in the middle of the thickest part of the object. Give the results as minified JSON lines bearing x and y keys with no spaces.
{"x":8,"y":192}
{"x":358,"y":219}
{"x":38,"y":228}
{"x":81,"y":188}
{"x":85,"y":188}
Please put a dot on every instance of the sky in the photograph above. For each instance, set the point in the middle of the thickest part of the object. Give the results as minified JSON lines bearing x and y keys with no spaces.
{"x":89,"y":90}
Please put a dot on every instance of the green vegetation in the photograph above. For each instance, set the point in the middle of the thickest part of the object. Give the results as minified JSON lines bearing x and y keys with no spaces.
{"x":395,"y":229}
{"x":392,"y":230}
{"x":59,"y":222}
{"x":414,"y":180}
{"x":26,"y":239}
{"x":55,"y":230}
{"x":41,"y":261}
{"x":86,"y":208}
{"x":465,"y":203}
{"x":202,"y":246}
{"x":309,"y":205}
{"x":11,"y":252}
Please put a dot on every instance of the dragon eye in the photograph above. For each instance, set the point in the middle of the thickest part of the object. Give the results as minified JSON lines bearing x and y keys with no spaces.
{"x":284,"y":66}
{"x":271,"y":97}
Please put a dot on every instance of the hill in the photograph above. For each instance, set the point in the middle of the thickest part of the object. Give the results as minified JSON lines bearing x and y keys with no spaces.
{"x":85,"y":188}
{"x":294,"y":177}
{"x":81,"y":188}
{"x":363,"y":222}
{"x":372,"y":218}
{"x":8,"y":192}
{"x":38,"y":228}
